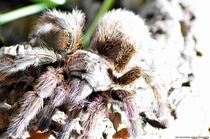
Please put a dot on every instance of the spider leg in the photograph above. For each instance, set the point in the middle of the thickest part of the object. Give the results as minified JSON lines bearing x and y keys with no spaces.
{"x":131,"y":111}
{"x":97,"y":111}
{"x":57,"y":99}
{"x":64,"y":28}
{"x":32,"y":101}
{"x":126,"y":78}
{"x":133,"y":75}
{"x":79,"y":91}
{"x":162,"y":104}
{"x":163,"y":107}
{"x":45,"y":120}
{"x":18,"y":57}
{"x":163,"y":112}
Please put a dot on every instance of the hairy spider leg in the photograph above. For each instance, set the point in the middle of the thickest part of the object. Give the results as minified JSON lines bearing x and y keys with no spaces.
{"x":19,"y":57}
{"x":32,"y":101}
{"x":135,"y":73}
{"x":97,"y":111}
{"x":79,"y":91}
{"x":57,"y":99}
{"x":132,"y":112}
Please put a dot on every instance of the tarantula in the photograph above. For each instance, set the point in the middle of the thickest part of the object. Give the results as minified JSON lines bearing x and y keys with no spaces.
{"x":82,"y":80}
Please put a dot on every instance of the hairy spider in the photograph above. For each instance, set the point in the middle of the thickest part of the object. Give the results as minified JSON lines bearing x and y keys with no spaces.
{"x":81,"y":80}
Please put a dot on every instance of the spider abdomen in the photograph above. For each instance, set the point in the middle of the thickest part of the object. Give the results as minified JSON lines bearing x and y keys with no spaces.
{"x":119,"y":37}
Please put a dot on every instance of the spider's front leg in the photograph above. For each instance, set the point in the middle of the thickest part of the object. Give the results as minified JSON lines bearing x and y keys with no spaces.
{"x":134,"y":74}
{"x":32,"y":101}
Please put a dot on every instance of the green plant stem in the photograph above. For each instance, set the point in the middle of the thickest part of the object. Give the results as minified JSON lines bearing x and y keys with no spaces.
{"x":22,"y":12}
{"x":103,"y":9}
{"x":58,"y":2}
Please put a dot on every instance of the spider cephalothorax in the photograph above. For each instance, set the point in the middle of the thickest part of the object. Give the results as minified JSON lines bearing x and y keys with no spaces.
{"x":111,"y":66}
